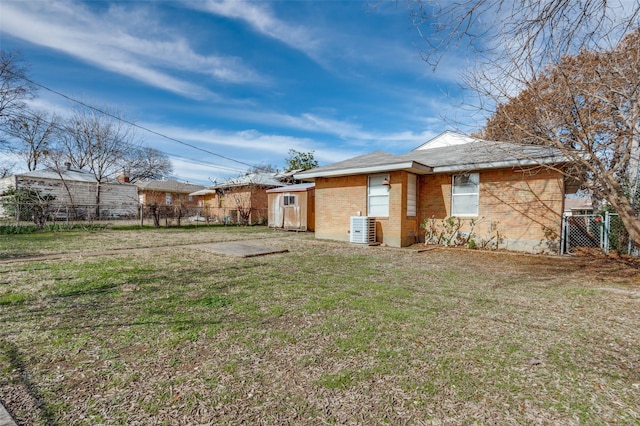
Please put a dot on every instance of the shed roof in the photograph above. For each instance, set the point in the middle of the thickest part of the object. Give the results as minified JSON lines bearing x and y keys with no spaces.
{"x":300,"y":187}
{"x":458,"y":157}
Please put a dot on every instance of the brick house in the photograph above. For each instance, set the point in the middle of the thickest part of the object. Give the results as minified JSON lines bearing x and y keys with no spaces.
{"x":238,"y":200}
{"x":494,"y":194}
{"x":167,"y":193}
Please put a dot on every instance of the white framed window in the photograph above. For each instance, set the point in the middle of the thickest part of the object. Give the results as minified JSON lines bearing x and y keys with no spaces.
{"x":412,"y":195}
{"x":378,"y":196}
{"x":465,"y":193}
{"x":168,"y":199}
{"x":289,"y":200}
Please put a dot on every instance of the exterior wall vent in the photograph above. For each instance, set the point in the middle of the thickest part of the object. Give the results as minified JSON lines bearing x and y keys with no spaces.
{"x":363,"y":230}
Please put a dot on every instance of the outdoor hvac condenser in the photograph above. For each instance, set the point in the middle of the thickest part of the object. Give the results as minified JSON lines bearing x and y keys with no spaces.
{"x":363,"y":230}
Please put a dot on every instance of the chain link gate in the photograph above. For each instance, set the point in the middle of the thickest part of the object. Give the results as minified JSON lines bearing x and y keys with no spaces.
{"x":604,"y":232}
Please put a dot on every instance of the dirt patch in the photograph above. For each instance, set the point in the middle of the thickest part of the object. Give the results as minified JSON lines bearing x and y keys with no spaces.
{"x":238,"y":249}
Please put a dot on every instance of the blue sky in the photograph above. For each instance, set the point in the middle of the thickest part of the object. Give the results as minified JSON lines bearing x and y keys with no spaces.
{"x":245,"y":80}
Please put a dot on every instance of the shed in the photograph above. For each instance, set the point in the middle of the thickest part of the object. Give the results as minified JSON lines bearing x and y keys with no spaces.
{"x":292,"y":207}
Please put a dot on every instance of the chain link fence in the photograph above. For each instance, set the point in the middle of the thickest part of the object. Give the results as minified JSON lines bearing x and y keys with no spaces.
{"x":42,"y":213}
{"x":605,"y":233}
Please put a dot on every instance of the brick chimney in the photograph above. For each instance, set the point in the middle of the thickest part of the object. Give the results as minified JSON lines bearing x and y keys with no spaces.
{"x":123,"y":177}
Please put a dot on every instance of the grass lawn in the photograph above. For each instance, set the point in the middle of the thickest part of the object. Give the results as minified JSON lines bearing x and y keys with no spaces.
{"x":137,"y":328}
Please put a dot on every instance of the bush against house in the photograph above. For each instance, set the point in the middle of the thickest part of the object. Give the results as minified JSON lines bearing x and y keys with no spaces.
{"x":28,"y":204}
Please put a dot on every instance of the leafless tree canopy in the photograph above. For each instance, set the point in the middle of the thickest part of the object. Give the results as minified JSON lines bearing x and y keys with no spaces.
{"x":147,"y":163}
{"x":14,"y":88}
{"x":554,"y":72}
{"x":526,"y":31}
{"x":33,"y":135}
{"x":587,"y":105}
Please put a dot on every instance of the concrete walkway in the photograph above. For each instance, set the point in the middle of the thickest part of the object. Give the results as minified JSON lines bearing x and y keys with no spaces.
{"x":5,"y":418}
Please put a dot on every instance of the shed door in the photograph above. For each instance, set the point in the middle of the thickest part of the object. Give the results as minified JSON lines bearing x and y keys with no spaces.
{"x":291,"y":206}
{"x":276,"y":213}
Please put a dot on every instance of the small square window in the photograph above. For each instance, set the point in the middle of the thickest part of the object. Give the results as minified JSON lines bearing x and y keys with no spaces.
{"x":289,"y":200}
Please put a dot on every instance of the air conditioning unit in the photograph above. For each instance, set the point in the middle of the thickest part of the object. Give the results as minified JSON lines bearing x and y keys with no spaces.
{"x":363,"y":230}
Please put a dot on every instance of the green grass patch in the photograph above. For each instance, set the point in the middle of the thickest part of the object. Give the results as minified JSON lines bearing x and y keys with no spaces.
{"x":327,"y":333}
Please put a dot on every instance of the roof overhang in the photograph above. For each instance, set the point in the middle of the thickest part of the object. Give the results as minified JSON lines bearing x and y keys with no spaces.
{"x":498,"y":165}
{"x":407,"y":166}
{"x":304,"y":187}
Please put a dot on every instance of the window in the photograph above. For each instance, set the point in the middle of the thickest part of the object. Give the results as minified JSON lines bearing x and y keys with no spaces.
{"x":191,"y":198}
{"x":464,"y":194}
{"x":378,"y":196}
{"x":169,"y":199}
{"x":412,"y":195}
{"x":289,"y":200}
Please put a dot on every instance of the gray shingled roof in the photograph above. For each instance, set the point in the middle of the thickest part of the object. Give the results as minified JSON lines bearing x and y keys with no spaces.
{"x":259,"y":179}
{"x":484,"y":155}
{"x":475,"y":155}
{"x":168,"y":186}
{"x":70,"y":175}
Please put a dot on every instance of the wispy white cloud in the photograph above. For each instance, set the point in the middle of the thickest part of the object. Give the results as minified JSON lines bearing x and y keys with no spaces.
{"x":128,"y":41}
{"x":334,"y":46}
{"x":263,"y":20}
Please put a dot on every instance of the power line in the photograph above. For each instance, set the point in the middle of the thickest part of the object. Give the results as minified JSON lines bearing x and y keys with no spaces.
{"x":134,"y":124}
{"x":29,"y":115}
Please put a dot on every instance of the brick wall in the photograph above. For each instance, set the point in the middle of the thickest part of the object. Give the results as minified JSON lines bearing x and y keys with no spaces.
{"x":228,"y":203}
{"x":337,"y":199}
{"x":150,"y":197}
{"x":522,"y":207}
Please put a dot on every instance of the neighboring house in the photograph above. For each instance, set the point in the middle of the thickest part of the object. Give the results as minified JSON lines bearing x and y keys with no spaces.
{"x":292,"y":207}
{"x":238,"y":200}
{"x":76,"y":193}
{"x":497,"y":193}
{"x":167,"y":193}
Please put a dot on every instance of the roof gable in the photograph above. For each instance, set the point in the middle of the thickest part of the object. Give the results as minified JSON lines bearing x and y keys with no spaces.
{"x":446,"y":138}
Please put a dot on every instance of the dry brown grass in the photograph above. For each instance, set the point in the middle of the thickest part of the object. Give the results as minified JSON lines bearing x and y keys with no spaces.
{"x":329,"y":333}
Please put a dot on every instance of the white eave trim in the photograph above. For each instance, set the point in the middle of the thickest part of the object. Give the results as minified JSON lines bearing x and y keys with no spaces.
{"x":410,"y":166}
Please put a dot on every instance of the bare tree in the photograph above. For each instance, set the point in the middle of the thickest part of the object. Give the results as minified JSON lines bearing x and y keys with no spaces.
{"x":5,"y":170}
{"x":263,"y":168}
{"x":588,"y":105}
{"x":98,"y":142}
{"x":554,"y":72}
{"x":147,"y":164}
{"x":15,"y":88}
{"x":34,"y":136}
